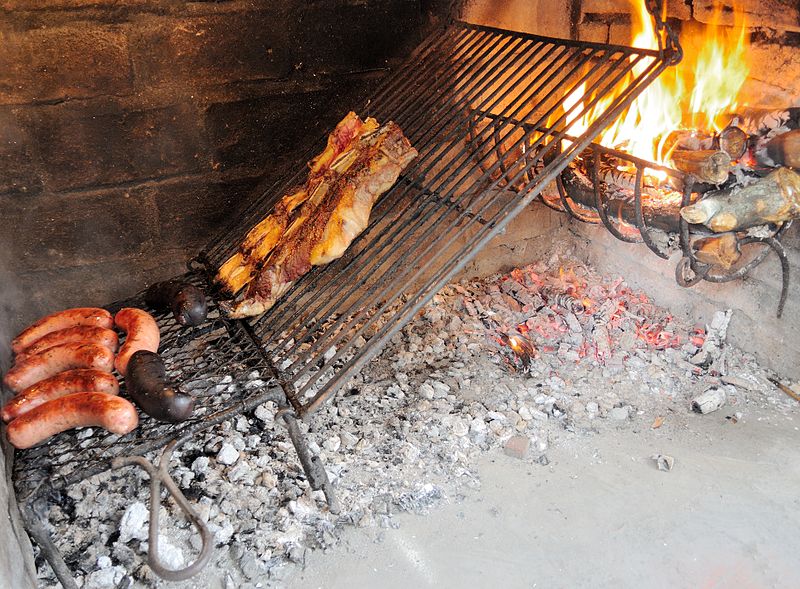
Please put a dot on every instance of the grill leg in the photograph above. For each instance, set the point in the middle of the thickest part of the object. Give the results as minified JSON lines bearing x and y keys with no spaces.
{"x":312,"y":465}
{"x":37,"y":531}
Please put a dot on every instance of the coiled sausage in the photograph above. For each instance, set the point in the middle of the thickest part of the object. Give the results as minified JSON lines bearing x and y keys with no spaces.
{"x":149,"y":387}
{"x":142,"y":334}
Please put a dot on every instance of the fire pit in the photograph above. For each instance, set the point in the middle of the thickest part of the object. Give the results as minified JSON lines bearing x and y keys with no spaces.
{"x":644,"y":177}
{"x":265,"y":466}
{"x":424,"y":230}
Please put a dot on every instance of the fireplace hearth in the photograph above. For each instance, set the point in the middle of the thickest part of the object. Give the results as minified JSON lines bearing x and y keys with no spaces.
{"x":468,"y":317}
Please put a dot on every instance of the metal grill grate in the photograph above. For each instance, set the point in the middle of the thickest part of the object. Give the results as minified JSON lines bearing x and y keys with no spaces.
{"x":462,"y":92}
{"x":217,"y":362}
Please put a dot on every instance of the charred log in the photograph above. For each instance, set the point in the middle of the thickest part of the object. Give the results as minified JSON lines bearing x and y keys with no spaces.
{"x":659,"y":212}
{"x":690,"y":139}
{"x":733,"y":141}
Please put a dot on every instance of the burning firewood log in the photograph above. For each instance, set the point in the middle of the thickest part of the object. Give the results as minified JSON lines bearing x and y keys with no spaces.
{"x":660,"y":210}
{"x":773,"y":199}
{"x":691,"y":139}
{"x":719,"y":250}
{"x":733,"y":141}
{"x":784,"y":150}
{"x":706,"y":165}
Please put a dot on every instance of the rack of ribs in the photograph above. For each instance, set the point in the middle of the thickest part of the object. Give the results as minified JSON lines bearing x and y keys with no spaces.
{"x":318,"y":222}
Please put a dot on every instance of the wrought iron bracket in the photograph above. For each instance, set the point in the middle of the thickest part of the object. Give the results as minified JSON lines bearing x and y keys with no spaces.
{"x":669,"y":46}
{"x":158,"y":476}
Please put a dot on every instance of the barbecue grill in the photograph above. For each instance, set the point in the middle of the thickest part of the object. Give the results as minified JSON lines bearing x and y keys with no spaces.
{"x":444,"y":208}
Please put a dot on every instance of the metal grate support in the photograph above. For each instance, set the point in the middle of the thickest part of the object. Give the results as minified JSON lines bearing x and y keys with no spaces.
{"x":448,"y":204}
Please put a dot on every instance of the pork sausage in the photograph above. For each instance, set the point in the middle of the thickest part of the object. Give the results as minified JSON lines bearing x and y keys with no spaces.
{"x":186,"y":301}
{"x":149,"y":387}
{"x":63,"y":383}
{"x":110,"y":412}
{"x":80,"y":333}
{"x":58,"y":359}
{"x":142,"y":334}
{"x":61,"y":320}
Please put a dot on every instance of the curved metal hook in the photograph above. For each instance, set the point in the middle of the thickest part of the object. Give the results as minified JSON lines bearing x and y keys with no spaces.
{"x":160,"y":475}
{"x":570,"y":209}
{"x":602,"y":205}
{"x":644,"y":230}
{"x":778,"y":248}
{"x":686,"y":275}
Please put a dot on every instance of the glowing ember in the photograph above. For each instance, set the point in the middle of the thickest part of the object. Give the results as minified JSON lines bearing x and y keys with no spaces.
{"x":694,"y":95}
{"x":523,"y":348}
{"x":658,"y":336}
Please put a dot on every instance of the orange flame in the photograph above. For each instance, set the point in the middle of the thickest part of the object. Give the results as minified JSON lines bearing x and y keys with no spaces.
{"x":693,"y":95}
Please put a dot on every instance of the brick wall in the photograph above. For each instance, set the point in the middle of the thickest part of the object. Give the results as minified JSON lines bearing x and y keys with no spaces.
{"x":130,"y":129}
{"x":774,"y":27}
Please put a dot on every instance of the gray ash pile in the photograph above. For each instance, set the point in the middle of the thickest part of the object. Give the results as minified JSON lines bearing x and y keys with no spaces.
{"x":515,"y":363}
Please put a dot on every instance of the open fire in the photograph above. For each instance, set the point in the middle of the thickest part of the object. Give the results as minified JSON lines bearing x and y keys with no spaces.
{"x":697,"y":96}
{"x":568,"y":336}
{"x":690,"y":165}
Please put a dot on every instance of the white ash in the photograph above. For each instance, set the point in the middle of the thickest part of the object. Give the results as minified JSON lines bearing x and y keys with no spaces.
{"x":170,"y":555}
{"x":133,"y":524}
{"x":407,"y":432}
{"x":228,"y":454}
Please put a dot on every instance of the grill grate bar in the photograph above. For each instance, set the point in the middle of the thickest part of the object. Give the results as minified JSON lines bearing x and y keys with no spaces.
{"x":382,"y":243}
{"x":226,"y":244}
{"x":425,"y":54}
{"x":449,"y":191}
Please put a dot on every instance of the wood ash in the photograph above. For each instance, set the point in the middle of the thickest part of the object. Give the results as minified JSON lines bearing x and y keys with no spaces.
{"x":406,"y":434}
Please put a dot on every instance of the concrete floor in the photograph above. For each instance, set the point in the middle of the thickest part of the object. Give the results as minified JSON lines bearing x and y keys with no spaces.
{"x":602,"y":515}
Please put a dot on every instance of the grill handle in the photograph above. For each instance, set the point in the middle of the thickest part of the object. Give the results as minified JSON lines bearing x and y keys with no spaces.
{"x":159,"y":475}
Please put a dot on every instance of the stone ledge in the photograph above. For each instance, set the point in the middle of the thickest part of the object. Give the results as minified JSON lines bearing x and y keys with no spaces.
{"x":99,"y":284}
